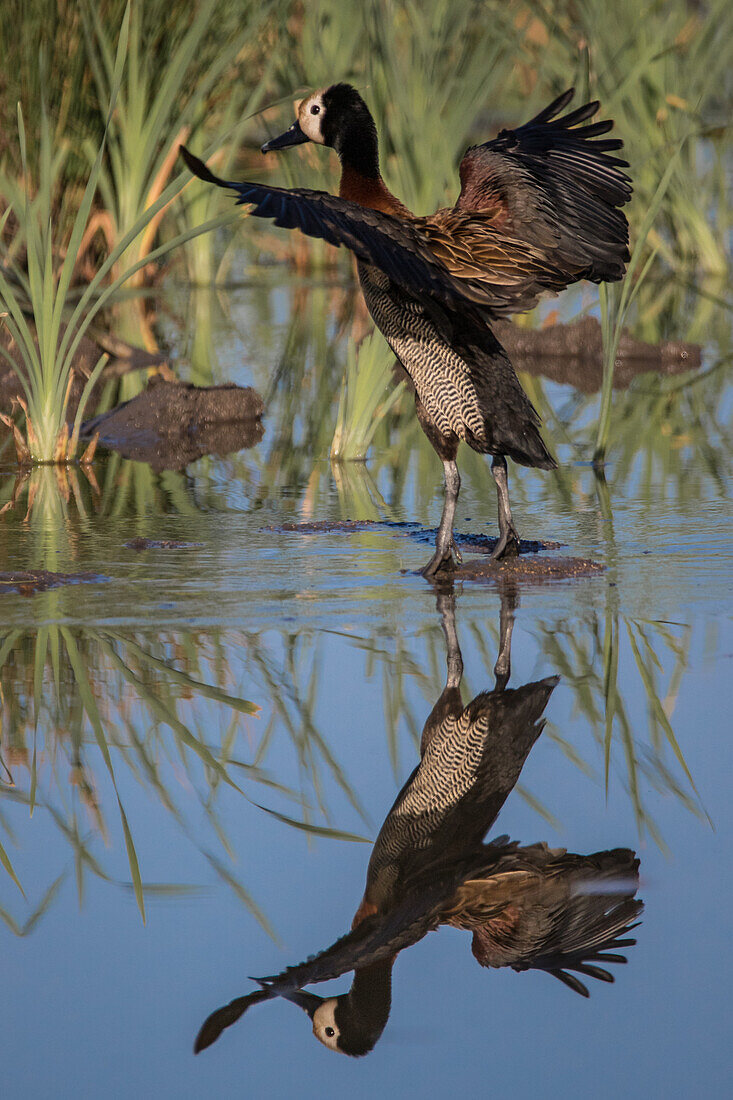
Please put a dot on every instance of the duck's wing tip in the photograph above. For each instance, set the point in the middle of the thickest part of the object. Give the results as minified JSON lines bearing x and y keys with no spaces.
{"x":224,"y":1017}
{"x":197,"y":166}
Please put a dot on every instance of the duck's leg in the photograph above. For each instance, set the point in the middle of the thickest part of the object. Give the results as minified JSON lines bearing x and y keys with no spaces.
{"x":446,"y":552}
{"x":503,"y":666}
{"x":508,"y":544}
{"x":446,"y":602}
{"x":449,"y":703}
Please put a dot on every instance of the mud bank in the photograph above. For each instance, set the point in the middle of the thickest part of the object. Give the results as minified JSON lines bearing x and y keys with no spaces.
{"x":172,"y":424}
{"x":27,"y":582}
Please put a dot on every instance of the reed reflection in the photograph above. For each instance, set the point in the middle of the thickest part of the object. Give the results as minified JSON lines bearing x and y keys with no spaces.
{"x":528,"y":907}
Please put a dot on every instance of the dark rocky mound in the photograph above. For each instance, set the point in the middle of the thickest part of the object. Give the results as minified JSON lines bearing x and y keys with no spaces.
{"x":172,"y":424}
{"x":29,"y":581}
{"x":573,"y":354}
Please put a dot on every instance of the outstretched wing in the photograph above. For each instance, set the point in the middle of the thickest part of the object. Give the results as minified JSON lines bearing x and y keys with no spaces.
{"x":564,"y":916}
{"x":538,"y":209}
{"x":394,"y":245}
{"x":377,"y":937}
{"x":419,"y":908}
{"x":597,"y":942}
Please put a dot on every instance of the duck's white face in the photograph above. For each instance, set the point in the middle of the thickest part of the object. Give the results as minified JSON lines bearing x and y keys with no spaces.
{"x":325,"y":1028}
{"x":310,"y":113}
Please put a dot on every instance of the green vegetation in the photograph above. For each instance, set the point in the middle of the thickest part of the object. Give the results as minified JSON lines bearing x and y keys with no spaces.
{"x":615,"y":306}
{"x":42,"y":289}
{"x":120,"y":707}
{"x":119,"y":696}
{"x":87,"y":199}
{"x":368,"y":392}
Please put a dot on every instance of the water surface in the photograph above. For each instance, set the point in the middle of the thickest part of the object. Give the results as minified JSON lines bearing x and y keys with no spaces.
{"x":166,"y":709}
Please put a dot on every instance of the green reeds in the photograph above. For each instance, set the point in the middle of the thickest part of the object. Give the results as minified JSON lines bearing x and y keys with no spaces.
{"x":615,"y":305}
{"x":662,"y":74}
{"x":158,"y":103}
{"x":48,"y":355}
{"x":364,"y":401}
{"x":594,"y":664}
{"x":78,"y":697}
{"x":432,"y":70}
{"x":48,"y":345}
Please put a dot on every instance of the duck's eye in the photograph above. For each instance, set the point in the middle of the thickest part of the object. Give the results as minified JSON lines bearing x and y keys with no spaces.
{"x":329,"y":1030}
{"x":315,"y":109}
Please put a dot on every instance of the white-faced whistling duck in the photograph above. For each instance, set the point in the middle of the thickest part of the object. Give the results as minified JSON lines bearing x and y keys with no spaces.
{"x":527,"y":907}
{"x":538,"y":210}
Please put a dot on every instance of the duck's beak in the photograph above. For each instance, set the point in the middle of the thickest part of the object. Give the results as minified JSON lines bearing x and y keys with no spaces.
{"x":293,"y":136}
{"x":309,"y":1002}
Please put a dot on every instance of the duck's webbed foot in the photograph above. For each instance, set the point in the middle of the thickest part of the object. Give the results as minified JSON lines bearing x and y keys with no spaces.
{"x":508,"y":544}
{"x":444,"y":560}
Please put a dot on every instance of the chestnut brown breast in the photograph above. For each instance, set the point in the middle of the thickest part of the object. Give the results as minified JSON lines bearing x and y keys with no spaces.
{"x":372,"y":193}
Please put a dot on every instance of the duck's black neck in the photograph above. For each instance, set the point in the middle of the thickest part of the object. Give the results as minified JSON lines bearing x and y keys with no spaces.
{"x":371,"y":990}
{"x":358,"y":150}
{"x":361,"y":181}
{"x":363,"y":1013}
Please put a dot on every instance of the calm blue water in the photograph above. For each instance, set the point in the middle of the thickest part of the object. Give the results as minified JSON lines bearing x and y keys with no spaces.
{"x":301,"y":667}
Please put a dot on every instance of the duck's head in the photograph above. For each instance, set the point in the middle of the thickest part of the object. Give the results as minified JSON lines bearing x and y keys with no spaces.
{"x":351,"y":1023}
{"x":336,"y":116}
{"x":322,"y":1011}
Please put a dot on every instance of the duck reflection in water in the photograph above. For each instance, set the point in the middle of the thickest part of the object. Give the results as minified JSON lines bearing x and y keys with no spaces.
{"x":531,"y":907}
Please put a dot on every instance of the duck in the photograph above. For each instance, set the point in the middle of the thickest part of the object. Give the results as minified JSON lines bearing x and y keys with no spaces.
{"x":539,"y":208}
{"x":529,"y":908}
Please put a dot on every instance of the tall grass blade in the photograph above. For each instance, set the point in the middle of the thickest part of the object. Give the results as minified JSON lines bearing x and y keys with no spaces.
{"x":657,"y":708}
{"x":613,"y":316}
{"x":44,"y":905}
{"x":133,"y":862}
{"x":5,"y":860}
{"x":315,"y":830}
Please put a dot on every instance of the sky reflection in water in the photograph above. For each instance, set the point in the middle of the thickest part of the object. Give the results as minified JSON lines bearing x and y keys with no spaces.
{"x":262,"y":668}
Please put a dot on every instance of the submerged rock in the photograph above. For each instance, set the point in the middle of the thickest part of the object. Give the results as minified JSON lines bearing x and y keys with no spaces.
{"x":478,"y":542}
{"x":172,"y":424}
{"x":573,"y":354}
{"x":142,"y":543}
{"x":27,"y":582}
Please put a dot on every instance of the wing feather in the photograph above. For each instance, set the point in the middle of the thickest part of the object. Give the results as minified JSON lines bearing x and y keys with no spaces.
{"x":550,"y":195}
{"x":539,"y":208}
{"x":394,"y":245}
{"x":555,"y":912}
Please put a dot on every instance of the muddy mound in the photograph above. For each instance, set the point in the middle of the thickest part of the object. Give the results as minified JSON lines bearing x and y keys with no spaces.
{"x":402,"y":529}
{"x":172,"y":424}
{"x":530,"y":569}
{"x":29,"y":581}
{"x":573,"y":354}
